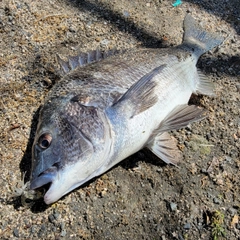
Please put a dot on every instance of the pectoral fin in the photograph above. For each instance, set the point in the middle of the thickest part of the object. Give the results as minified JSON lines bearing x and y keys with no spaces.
{"x":139,"y":96}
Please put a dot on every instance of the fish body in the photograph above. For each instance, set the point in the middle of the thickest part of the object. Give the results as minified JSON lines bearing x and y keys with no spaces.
{"x":102,"y":112}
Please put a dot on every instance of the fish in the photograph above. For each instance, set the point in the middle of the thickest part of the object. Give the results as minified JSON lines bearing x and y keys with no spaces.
{"x":108,"y":106}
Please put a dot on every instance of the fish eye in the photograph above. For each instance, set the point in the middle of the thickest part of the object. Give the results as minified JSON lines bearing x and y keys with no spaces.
{"x":45,"y":140}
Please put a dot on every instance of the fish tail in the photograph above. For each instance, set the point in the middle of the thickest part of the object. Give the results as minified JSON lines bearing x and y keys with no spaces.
{"x":198,"y":40}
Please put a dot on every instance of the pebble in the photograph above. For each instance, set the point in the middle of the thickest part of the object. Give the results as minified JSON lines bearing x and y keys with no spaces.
{"x":228,"y":159}
{"x":63,"y":233}
{"x":173,"y":206}
{"x":238,"y":87}
{"x":56,"y":215}
{"x":199,"y":226}
{"x":180,"y":237}
{"x":104,"y":42}
{"x":187,"y":226}
{"x":16,"y":232}
{"x":51,"y":218}
{"x":126,"y":13}
{"x":232,"y":211}
{"x":33,"y":229}
{"x":217,"y":200}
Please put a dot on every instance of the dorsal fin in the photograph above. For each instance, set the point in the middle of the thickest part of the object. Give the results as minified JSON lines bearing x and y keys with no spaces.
{"x":83,"y":59}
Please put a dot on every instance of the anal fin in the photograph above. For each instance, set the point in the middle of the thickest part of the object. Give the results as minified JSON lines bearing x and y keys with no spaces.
{"x":180,"y":117}
{"x":165,"y":147}
{"x":204,"y":85}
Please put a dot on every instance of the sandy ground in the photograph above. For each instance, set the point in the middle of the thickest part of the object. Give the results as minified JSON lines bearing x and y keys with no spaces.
{"x":141,"y":198}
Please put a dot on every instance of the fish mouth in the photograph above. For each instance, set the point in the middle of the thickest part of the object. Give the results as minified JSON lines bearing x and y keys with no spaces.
{"x":44,"y":180}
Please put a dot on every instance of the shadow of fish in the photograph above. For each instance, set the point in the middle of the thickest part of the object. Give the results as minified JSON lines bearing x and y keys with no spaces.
{"x":106,"y":108}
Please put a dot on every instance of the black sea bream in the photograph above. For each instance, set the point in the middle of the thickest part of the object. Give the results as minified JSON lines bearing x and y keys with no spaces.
{"x":106,"y":108}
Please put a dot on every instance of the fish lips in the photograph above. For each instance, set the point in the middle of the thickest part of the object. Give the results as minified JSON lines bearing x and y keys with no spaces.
{"x":47,"y":177}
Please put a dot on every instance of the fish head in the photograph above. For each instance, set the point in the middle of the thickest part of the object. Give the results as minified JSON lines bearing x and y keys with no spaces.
{"x":70,"y":147}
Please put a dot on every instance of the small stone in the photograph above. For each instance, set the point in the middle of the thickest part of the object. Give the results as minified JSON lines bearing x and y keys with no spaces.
{"x":62,"y":225}
{"x":173,"y":206}
{"x":56,"y":215}
{"x":228,"y":159}
{"x":103,"y":193}
{"x":232,"y":211}
{"x":216,"y":200}
{"x":104,"y":42}
{"x":126,"y":13}
{"x":209,"y":195}
{"x":43,"y":228}
{"x":33,"y":229}
{"x":180,"y":237}
{"x":238,"y":87}
{"x":199,"y":226}
{"x":238,"y":226}
{"x":187,"y":226}
{"x":15,"y":232}
{"x":63,"y":233}
{"x":51,"y":218}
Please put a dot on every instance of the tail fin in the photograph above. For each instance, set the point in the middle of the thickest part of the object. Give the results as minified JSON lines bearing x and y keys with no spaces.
{"x":197,"y":39}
